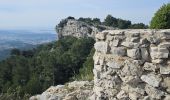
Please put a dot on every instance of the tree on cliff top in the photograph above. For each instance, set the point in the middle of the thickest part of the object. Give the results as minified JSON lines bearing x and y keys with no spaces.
{"x":110,"y":21}
{"x":161,"y":19}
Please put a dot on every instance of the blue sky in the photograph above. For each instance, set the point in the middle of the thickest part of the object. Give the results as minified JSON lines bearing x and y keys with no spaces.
{"x":45,"y":14}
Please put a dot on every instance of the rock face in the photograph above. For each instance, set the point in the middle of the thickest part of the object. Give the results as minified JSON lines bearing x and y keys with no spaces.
{"x":79,"y":29}
{"x":77,"y":90}
{"x":132,"y":65}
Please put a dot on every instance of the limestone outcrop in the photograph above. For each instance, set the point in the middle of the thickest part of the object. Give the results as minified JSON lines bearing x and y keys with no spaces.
{"x":79,"y":29}
{"x":132,"y":65}
{"x":77,"y":90}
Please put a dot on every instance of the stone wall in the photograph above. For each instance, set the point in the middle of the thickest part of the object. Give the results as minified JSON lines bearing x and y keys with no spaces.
{"x":132,"y":65}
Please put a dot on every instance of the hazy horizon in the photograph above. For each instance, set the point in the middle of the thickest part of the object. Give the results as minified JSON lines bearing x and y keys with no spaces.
{"x":45,"y":14}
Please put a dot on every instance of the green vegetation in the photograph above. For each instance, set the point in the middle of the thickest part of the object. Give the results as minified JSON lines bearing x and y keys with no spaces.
{"x":138,"y":26}
{"x":90,"y":21}
{"x":108,"y":21}
{"x":122,"y":24}
{"x":161,"y":19}
{"x":86,"y":72}
{"x":31,"y":72}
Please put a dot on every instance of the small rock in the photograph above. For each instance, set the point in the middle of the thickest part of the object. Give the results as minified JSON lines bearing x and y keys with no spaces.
{"x":153,"y":92}
{"x":151,"y":79}
{"x":114,"y":43}
{"x":153,"y":40}
{"x":135,"y":39}
{"x":119,"y":51}
{"x":157,"y":61}
{"x":145,"y":54}
{"x":101,"y":36}
{"x":114,"y":64}
{"x":127,"y":44}
{"x":122,"y":95}
{"x":130,"y":69}
{"x":135,"y":34}
{"x":101,"y":47}
{"x":153,"y":52}
{"x":134,"y":53}
{"x":164,"y":69}
{"x":164,"y":45}
{"x":163,"y":53}
{"x":165,"y":84}
{"x":109,"y":37}
{"x":149,"y":66}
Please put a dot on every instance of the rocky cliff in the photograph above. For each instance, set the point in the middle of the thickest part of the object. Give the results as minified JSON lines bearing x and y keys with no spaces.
{"x":132,"y":65}
{"x":73,"y":27}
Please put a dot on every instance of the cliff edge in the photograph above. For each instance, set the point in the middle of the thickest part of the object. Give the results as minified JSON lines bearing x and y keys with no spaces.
{"x":79,"y":29}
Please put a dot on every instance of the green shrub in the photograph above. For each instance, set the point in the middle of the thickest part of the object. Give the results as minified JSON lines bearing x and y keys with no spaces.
{"x":86,"y":72}
{"x":161,"y":19}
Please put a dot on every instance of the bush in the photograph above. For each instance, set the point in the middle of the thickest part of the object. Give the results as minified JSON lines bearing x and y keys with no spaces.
{"x":161,"y":19}
{"x":138,"y":26}
{"x":86,"y":72}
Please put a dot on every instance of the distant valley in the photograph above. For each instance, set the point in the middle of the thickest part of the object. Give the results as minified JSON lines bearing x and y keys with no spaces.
{"x":23,"y":39}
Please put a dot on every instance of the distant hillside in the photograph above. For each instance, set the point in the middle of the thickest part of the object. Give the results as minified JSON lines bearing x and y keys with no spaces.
{"x":23,"y":40}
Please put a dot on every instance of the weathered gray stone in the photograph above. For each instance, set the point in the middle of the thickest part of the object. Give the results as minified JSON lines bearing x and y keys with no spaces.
{"x":152,"y":79}
{"x":145,"y":54}
{"x":114,"y":43}
{"x":131,"y":89}
{"x":163,"y":53}
{"x":127,"y":44}
{"x":153,"y":40}
{"x":153,"y":92}
{"x":98,"y":68}
{"x":150,"y":66}
{"x":164,"y":45}
{"x":96,"y":73}
{"x":153,"y":52}
{"x":165,"y":35}
{"x":165,"y":69}
{"x":122,"y":95}
{"x":118,"y":32}
{"x":135,"y":34}
{"x":77,"y":29}
{"x":135,"y":39}
{"x":114,"y":64}
{"x":109,"y":37}
{"x":130,"y":72}
{"x":101,"y":36}
{"x":80,"y":90}
{"x":101,"y":47}
{"x":157,"y":61}
{"x":165,"y":84}
{"x":144,"y":43}
{"x":118,"y":51}
{"x":134,"y":53}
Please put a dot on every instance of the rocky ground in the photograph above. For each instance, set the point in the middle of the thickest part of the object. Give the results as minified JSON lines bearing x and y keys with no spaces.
{"x":77,"y":90}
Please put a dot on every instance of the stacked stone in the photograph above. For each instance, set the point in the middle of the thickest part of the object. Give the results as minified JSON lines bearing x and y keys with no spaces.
{"x":132,"y":65}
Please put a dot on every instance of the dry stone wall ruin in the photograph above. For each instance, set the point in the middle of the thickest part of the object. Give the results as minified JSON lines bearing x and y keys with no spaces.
{"x":132,"y":65}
